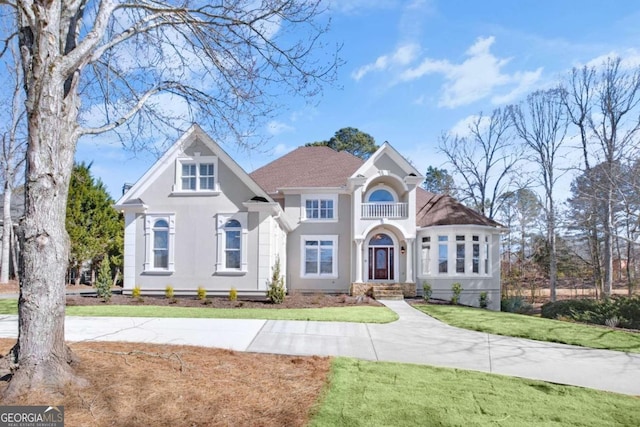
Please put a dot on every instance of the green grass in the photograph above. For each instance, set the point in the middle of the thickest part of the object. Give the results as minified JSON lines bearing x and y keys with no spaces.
{"x":362,"y":393}
{"x":8,"y":306}
{"x":363,"y":314}
{"x":359,"y":314}
{"x":535,"y":328}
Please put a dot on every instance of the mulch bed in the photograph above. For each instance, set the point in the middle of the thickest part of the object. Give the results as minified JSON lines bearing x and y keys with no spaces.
{"x":294,"y":300}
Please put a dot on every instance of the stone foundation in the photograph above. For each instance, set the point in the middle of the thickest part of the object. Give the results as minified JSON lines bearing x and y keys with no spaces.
{"x":408,"y":289}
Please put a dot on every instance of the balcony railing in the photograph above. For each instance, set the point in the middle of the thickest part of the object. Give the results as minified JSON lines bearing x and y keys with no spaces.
{"x":384,"y":210}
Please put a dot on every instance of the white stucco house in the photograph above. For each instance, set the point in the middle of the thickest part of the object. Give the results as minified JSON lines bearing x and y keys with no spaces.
{"x":337,"y":224}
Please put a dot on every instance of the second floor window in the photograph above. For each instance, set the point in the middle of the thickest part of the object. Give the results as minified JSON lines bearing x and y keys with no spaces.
{"x":198,"y":176}
{"x":319,"y":207}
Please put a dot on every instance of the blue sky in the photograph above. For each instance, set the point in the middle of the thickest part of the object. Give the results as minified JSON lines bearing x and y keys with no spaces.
{"x":416,"y":69}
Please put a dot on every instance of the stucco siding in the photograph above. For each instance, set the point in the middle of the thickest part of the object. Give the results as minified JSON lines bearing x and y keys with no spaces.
{"x":195,"y":242}
{"x":341,"y":229}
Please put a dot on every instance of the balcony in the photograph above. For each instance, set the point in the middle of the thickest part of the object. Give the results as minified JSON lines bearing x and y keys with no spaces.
{"x":384,"y":210}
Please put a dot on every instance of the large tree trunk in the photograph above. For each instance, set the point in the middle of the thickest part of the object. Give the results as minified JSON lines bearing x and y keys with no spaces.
{"x":41,"y":355}
{"x":7,"y":226}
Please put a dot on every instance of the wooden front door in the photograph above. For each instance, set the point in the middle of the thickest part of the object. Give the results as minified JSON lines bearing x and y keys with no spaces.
{"x":381,"y":263}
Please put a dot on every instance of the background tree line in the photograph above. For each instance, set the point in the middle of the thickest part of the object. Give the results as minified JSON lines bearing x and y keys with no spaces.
{"x":509,"y":163}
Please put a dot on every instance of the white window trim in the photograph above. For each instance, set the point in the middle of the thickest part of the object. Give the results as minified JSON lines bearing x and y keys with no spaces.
{"x":149,"y":221}
{"x":334,"y":266}
{"x":221,"y":269}
{"x":303,"y":207}
{"x":425,"y":262}
{"x":485,"y":253}
{"x":196,"y":160}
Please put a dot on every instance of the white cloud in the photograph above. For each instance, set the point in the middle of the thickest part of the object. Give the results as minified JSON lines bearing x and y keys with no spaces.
{"x":462,"y":128}
{"x":402,"y":56}
{"x":525,"y":81}
{"x":630,"y":58}
{"x":275,"y":127}
{"x":476,"y":77}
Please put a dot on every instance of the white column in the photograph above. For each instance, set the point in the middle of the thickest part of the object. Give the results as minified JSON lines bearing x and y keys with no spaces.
{"x":359,"y":260}
{"x":129,"y":270}
{"x":409,"y":278}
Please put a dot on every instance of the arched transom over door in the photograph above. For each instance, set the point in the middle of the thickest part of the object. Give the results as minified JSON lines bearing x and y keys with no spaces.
{"x":381,"y":257}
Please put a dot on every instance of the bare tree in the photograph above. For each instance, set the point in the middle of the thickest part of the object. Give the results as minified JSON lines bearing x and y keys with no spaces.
{"x":520,"y":208}
{"x":615,"y":128}
{"x":130,"y":63}
{"x":485,"y":159}
{"x":13,"y":155}
{"x":542,"y":125}
{"x":577,"y":96}
{"x":603,"y":102}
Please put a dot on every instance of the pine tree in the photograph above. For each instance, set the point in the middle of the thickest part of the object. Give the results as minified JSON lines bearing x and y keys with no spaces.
{"x":103,"y":283}
{"x":94,"y":227}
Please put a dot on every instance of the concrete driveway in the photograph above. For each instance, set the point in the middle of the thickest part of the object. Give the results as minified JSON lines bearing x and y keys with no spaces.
{"x":414,"y":338}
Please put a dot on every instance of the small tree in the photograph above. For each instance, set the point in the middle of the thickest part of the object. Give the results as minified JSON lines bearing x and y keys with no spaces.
{"x":103,"y":283}
{"x":427,"y":291}
{"x":276,"y":291}
{"x":456,"y":290}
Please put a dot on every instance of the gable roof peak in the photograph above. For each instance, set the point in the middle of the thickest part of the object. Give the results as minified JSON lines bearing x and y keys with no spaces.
{"x":191,"y":135}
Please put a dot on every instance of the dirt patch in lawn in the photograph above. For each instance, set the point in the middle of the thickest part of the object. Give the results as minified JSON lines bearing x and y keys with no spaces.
{"x":295,"y":300}
{"x":160,"y":385}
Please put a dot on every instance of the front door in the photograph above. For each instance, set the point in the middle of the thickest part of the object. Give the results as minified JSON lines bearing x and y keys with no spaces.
{"x":381,"y":263}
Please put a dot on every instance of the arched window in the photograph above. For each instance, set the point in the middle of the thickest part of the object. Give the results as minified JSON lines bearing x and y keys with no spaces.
{"x":232,"y":235}
{"x":381,"y":196}
{"x":159,"y":234}
{"x":232,"y":255}
{"x":381,"y":240}
{"x":161,"y":244}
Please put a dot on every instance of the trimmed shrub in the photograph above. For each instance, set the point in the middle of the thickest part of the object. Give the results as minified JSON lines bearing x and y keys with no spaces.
{"x":456,"y":290}
{"x":201,"y":293}
{"x":168,"y":291}
{"x":426,"y":291}
{"x":567,"y":308}
{"x":515,"y":304}
{"x":622,"y":311}
{"x":233,"y":294}
{"x":136,"y":292}
{"x":629,"y":311}
{"x":483,"y":300}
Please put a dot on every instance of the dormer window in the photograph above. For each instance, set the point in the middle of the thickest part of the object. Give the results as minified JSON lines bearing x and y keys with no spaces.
{"x":196,"y":175}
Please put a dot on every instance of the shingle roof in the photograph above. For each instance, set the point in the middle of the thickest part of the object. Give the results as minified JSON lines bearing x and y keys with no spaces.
{"x":314,"y":166}
{"x":319,"y":166}
{"x":438,"y":209}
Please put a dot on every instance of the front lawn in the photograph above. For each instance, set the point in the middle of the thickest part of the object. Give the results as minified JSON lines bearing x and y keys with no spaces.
{"x":360,"y":314}
{"x":364,"y":393}
{"x":535,"y":328}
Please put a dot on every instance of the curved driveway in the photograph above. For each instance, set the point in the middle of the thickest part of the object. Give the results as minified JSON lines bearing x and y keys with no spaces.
{"x":414,"y":338}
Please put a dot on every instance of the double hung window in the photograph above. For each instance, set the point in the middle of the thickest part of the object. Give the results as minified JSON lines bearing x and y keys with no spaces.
{"x":319,"y":256}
